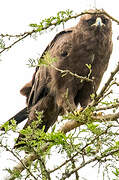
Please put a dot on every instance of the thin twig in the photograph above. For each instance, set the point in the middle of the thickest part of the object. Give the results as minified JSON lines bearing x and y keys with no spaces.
{"x":33,"y":157}
{"x":97,"y":158}
{"x":95,"y":101}
{"x":81,"y":150}
{"x":44,"y":167}
{"x":110,"y":117}
{"x":73,"y":167}
{"x":15,"y":42}
{"x":26,"y":34}
{"x":108,"y":107}
{"x":22,"y":163}
{"x":73,"y":74}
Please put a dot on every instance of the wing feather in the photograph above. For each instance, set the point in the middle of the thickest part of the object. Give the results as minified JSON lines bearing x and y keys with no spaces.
{"x":42,"y":76}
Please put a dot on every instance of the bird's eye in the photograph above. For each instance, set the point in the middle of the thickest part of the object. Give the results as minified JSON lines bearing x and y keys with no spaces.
{"x":91,"y":21}
{"x":64,"y":53}
{"x":104,"y":20}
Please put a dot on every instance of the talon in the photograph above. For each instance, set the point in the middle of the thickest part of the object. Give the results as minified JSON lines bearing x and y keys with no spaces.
{"x":77,"y":111}
{"x":99,"y":114}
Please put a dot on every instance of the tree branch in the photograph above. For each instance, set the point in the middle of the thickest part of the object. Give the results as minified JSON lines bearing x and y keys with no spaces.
{"x":23,"y":164}
{"x":81,"y":150}
{"x":68,"y":126}
{"x":65,"y":72}
{"x":47,"y":26}
{"x":116,"y":105}
{"x":104,"y":88}
{"x":44,"y":169}
{"x":97,"y":158}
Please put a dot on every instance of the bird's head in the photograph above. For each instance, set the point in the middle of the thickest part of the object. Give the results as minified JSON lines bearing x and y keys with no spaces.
{"x":96,"y":20}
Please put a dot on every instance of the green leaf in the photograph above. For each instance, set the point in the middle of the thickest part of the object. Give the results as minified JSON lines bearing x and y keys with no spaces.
{"x":2,"y":44}
{"x":9,"y":125}
{"x":46,"y":60}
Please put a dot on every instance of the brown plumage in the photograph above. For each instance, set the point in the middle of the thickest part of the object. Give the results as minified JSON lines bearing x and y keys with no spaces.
{"x":89,"y":42}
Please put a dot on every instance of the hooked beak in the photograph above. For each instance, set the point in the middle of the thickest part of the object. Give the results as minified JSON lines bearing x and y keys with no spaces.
{"x":98,"y":22}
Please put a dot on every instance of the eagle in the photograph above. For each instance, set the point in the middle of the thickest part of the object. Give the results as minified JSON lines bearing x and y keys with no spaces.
{"x":75,"y":48}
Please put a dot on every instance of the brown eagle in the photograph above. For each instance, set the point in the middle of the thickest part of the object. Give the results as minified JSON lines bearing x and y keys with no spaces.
{"x":87,"y":43}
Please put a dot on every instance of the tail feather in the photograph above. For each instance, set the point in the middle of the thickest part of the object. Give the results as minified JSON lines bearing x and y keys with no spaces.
{"x":19,"y":117}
